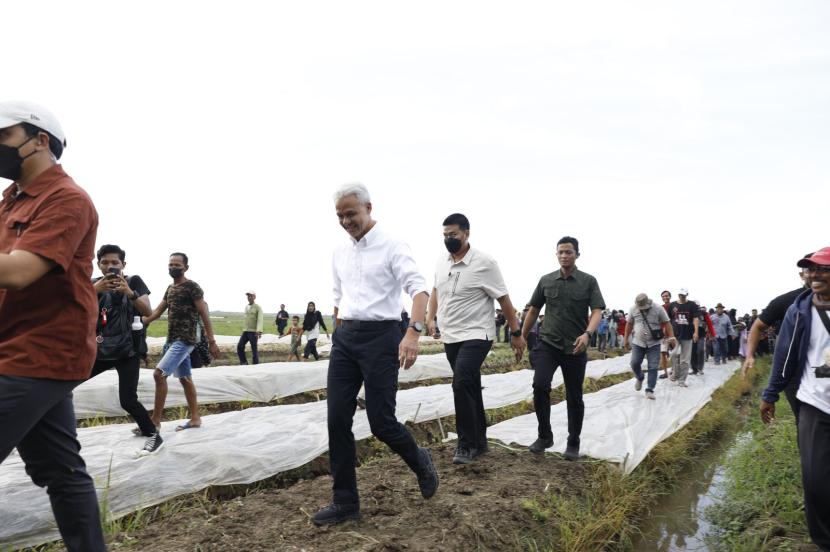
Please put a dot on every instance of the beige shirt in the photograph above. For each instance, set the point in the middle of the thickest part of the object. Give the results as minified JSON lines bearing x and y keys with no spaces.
{"x":466,"y":291}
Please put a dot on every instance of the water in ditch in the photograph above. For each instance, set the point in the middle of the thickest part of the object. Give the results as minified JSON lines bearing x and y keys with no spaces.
{"x":677,"y":522}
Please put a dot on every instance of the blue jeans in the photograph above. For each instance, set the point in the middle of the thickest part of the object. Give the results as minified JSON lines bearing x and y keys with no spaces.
{"x":721,"y":349}
{"x":652,"y":354}
{"x":176,"y":359}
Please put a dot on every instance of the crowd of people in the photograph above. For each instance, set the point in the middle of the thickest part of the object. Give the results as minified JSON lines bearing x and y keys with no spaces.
{"x":59,"y":326}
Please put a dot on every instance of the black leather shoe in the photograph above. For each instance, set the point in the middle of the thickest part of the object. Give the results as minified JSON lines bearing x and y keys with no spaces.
{"x":539,"y":445}
{"x":479,"y":451}
{"x":464,"y":455}
{"x":428,"y":477}
{"x":336,"y":513}
{"x":572,"y":452}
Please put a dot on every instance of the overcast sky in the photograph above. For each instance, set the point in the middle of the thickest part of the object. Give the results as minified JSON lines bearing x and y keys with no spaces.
{"x":685,"y":144}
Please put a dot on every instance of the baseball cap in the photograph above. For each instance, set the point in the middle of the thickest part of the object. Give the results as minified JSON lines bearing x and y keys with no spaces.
{"x":820,"y":257}
{"x":642,"y":301}
{"x":683,"y":291}
{"x":14,"y":113}
{"x":250,"y":293}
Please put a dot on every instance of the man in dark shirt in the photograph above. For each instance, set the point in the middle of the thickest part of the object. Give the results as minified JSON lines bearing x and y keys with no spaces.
{"x":772,"y":316}
{"x":126,"y":298}
{"x":567,"y":295}
{"x":48,"y":226}
{"x":685,"y":323}
{"x":186,"y":302}
{"x":282,"y":320}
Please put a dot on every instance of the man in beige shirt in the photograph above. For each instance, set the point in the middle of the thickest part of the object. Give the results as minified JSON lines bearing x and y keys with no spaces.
{"x":467,"y":281}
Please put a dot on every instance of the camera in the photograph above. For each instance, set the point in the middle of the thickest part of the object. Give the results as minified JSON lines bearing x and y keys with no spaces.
{"x":822,"y":371}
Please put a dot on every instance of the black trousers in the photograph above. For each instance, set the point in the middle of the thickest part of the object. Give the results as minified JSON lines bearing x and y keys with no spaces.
{"x":37,"y":417}
{"x":311,"y":348}
{"x":814,"y":447}
{"x":127,"y":369}
{"x":363,"y":352}
{"x":466,"y":358}
{"x":545,"y":359}
{"x":281,"y":327}
{"x":240,"y":347}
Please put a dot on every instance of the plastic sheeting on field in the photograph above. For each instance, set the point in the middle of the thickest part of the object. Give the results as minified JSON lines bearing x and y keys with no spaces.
{"x":231,"y":448}
{"x":621,"y":425}
{"x":258,"y":382}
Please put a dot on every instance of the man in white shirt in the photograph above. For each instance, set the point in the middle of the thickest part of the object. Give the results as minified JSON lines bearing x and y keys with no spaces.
{"x":369,"y":273}
{"x":466,"y":282}
{"x":803,"y":355}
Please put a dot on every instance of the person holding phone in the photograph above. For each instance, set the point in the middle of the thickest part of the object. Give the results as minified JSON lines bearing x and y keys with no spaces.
{"x":120,"y":299}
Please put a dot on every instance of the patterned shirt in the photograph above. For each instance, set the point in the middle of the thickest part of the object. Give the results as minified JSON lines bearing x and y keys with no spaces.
{"x":182,"y":316}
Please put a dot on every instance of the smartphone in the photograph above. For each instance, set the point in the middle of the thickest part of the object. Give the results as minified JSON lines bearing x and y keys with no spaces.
{"x":114,"y":271}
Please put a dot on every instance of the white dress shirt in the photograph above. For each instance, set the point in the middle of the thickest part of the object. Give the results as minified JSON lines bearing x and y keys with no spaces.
{"x":466,"y":290}
{"x":369,"y":275}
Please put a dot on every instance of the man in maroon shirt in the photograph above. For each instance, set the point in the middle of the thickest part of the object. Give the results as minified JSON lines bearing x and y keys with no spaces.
{"x":47,"y":316}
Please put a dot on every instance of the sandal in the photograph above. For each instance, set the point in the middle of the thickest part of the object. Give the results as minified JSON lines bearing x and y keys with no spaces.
{"x":187,"y":425}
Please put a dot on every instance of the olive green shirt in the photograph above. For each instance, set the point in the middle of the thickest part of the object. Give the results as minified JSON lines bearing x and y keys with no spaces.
{"x":253,"y":318}
{"x":568,"y":302}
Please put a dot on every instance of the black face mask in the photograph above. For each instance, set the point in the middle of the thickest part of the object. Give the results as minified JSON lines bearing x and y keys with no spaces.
{"x":11,"y":162}
{"x":453,"y":245}
{"x":175,"y":272}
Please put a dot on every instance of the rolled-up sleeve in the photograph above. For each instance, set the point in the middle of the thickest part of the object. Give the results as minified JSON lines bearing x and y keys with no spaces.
{"x":406,"y":271}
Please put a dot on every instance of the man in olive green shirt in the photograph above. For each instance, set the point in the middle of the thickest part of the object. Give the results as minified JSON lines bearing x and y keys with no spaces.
{"x":252,"y":330}
{"x":567,"y":295}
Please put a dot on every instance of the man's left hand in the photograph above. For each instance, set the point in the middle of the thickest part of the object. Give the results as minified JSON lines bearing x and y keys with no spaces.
{"x":519,"y":345}
{"x":214,"y":350}
{"x":258,"y":335}
{"x":408,"y":350}
{"x":694,"y":337}
{"x":581,"y":343}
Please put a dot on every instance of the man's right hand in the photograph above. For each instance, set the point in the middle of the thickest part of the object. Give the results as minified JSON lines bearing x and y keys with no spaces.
{"x":626,"y":345}
{"x":431,"y":330}
{"x":104,"y":285}
{"x":748,"y":365}
{"x":767,"y":412}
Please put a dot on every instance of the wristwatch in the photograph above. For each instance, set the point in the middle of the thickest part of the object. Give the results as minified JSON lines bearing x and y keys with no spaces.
{"x":417,"y":326}
{"x":517,"y":333}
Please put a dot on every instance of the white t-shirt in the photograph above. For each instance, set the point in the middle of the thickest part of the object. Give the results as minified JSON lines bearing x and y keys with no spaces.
{"x":466,"y":291}
{"x":812,"y":390}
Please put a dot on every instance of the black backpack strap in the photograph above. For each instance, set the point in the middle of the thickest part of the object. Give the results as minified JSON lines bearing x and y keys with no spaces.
{"x":824,"y":319}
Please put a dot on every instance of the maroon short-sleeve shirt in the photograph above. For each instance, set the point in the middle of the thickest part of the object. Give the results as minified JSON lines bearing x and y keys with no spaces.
{"x":47,"y":330}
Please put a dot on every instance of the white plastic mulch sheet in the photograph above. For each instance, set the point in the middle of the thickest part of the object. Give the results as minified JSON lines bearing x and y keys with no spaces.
{"x":621,"y":425}
{"x":259,"y":383}
{"x":231,"y":448}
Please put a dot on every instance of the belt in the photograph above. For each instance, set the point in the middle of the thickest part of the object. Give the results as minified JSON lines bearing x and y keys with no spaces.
{"x":368,"y":324}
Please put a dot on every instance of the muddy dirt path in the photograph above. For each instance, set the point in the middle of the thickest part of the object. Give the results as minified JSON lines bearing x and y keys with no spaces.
{"x":477,"y":507}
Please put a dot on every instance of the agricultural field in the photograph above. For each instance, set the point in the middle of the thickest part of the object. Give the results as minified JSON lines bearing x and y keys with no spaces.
{"x":508,"y":499}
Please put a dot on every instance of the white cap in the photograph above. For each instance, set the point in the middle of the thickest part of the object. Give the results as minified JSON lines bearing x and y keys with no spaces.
{"x":683,"y":291}
{"x":14,"y":113}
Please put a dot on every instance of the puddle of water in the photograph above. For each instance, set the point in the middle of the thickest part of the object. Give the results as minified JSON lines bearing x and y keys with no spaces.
{"x":678,"y":524}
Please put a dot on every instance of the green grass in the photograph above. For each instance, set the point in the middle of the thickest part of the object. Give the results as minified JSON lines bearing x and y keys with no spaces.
{"x":607,"y":513}
{"x":761,"y":507}
{"x":228,"y":323}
